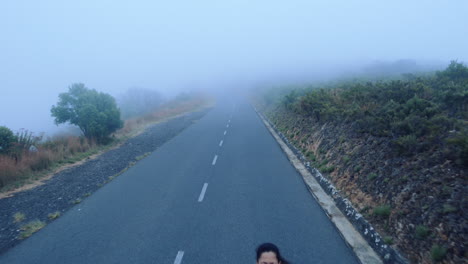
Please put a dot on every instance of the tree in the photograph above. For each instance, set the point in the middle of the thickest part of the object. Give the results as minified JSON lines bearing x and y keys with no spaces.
{"x":7,"y":139}
{"x":95,"y":113}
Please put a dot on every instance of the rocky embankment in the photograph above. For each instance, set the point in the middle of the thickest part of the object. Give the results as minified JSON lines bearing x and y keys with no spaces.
{"x":417,"y":203}
{"x":74,"y":184}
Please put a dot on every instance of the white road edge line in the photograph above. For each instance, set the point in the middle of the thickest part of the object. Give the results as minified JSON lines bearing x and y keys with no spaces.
{"x":214,"y":160}
{"x":221,"y":143}
{"x":202,"y":194}
{"x":179,"y":257}
{"x":225,"y":132}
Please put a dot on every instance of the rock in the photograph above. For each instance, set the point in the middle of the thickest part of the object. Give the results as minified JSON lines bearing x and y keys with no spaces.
{"x":33,"y":149}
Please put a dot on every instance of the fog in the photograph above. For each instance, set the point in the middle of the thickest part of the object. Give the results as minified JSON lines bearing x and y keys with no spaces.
{"x":172,"y":46}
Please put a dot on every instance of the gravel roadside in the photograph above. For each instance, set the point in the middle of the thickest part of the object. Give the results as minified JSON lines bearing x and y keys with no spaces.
{"x":70,"y":186}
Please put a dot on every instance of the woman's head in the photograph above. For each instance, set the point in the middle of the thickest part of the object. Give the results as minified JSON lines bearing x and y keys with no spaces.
{"x":268,"y":253}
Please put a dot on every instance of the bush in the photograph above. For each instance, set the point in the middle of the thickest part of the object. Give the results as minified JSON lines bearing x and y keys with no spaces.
{"x":7,"y":139}
{"x":459,"y":143}
{"x":447,"y":209}
{"x":326,"y":169}
{"x":311,"y":155}
{"x":406,"y":144}
{"x":438,"y":252}
{"x":382,"y":211}
{"x":388,"y":240}
{"x":371,"y":176}
{"x":422,"y":232}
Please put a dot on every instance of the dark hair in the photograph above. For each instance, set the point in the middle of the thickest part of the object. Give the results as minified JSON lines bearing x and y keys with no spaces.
{"x":269,"y":247}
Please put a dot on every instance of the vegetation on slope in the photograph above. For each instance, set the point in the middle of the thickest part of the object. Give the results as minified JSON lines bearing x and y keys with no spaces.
{"x":419,"y":114}
{"x":396,"y":148}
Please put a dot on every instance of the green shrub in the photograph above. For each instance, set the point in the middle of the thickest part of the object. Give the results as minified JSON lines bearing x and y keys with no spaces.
{"x":459,"y":143}
{"x":438,"y":252}
{"x":422,"y":232}
{"x":323,"y":163}
{"x":357,"y":168}
{"x":7,"y":139}
{"x":447,"y":209}
{"x":371,"y":176}
{"x":406,"y":144}
{"x":382,"y":211}
{"x":328,"y":169}
{"x":310,"y":155}
{"x":388,"y":240}
{"x":346,"y":159}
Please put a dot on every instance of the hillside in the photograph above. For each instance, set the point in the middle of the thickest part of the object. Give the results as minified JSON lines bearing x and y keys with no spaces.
{"x":397,"y":149}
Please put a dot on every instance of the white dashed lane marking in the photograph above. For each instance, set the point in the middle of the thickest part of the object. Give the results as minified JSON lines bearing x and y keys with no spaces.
{"x":221,"y":143}
{"x":202,"y":194}
{"x":214,"y":160}
{"x":179,"y":257}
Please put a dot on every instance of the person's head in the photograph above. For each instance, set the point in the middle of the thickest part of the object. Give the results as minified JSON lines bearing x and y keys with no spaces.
{"x":268,"y":253}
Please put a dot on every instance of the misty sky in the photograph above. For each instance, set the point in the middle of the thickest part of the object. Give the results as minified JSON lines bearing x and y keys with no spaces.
{"x":174,"y":45}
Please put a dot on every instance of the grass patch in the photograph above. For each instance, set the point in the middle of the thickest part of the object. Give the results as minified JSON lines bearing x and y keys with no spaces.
{"x":447,"y":209}
{"x":346,"y":159}
{"x":77,"y":201}
{"x":388,"y":240}
{"x":19,"y":217}
{"x":422,"y":232}
{"x":323,"y":163}
{"x":327,"y":169}
{"x":311,"y":156}
{"x":357,"y":168}
{"x":30,"y":228}
{"x":143,"y":156}
{"x":382,"y":211}
{"x":438,"y":252}
{"x":54,"y":215}
{"x":371,"y":176}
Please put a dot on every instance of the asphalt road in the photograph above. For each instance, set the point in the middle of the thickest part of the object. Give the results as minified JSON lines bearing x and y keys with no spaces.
{"x":209,"y":195}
